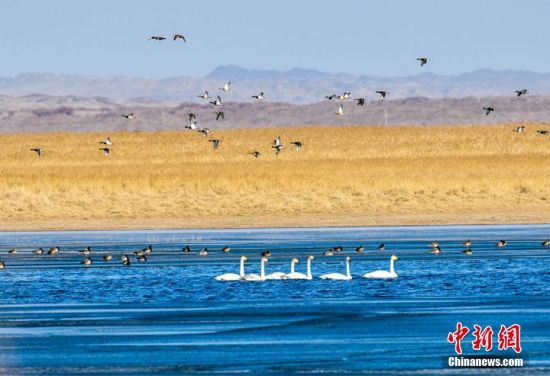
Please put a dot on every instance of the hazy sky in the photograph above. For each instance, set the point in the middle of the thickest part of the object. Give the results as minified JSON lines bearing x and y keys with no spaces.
{"x":381,"y":37}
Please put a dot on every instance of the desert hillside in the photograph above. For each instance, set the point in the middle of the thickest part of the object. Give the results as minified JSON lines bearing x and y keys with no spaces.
{"x":39,"y":113}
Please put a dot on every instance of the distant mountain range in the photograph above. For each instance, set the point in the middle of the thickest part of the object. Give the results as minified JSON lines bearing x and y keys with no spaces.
{"x":298,"y":86}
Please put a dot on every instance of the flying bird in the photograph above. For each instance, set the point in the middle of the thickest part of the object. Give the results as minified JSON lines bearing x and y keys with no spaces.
{"x":204,"y":131}
{"x":217,"y":102}
{"x":340,"y":110}
{"x":522,"y":92}
{"x":520,"y":129}
{"x":155,"y":37}
{"x":256,"y":154}
{"x":192,"y":116}
{"x":277,"y":141}
{"x":128,"y":116}
{"x":344,"y":96}
{"x":215,"y":143}
{"x":179,"y":36}
{"x":38,"y":151}
{"x":423,"y":61}
{"x":383,"y":93}
{"x":105,"y":150}
{"x":259,"y":96}
{"x":331,"y":97}
{"x":192,"y":125}
{"x":360,"y":101}
{"x":107,"y":141}
{"x":205,"y":95}
{"x":297,"y":144}
{"x":219,"y":115}
{"x":226,"y":87}
{"x":543,"y":131}
{"x":488,"y":110}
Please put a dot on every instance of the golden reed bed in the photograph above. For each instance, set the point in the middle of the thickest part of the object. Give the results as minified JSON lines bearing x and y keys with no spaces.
{"x":342,"y":177}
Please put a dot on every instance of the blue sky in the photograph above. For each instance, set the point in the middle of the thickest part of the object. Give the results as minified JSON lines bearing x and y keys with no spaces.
{"x":381,"y":37}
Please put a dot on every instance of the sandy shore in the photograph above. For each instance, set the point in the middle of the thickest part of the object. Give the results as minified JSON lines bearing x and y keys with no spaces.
{"x":350,"y":176}
{"x":269,"y":222}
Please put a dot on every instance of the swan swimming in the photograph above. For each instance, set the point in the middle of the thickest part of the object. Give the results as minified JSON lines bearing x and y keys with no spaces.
{"x":233,"y":276}
{"x":256,"y":277}
{"x":338,"y":276}
{"x":281,"y":275}
{"x":295,"y":275}
{"x":384,"y":274}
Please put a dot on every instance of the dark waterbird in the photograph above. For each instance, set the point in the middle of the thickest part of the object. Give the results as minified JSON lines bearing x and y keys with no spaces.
{"x":521,"y":92}
{"x":423,"y":61}
{"x":219,"y":115}
{"x":501,"y":243}
{"x":297,"y":144}
{"x":215,"y":143}
{"x":488,"y":110}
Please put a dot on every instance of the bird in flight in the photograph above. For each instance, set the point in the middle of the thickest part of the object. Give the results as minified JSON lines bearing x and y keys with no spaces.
{"x":488,"y":110}
{"x":344,"y":96}
{"x":360,"y":101}
{"x":297,"y":144}
{"x":331,"y":97}
{"x":192,"y":126}
{"x":522,"y":92}
{"x":256,"y":154}
{"x":277,"y":145}
{"x":226,"y":87}
{"x":423,"y":61}
{"x":383,"y":93}
{"x":105,"y":150}
{"x":38,"y":151}
{"x":543,"y":132}
{"x":217,"y":102}
{"x":205,"y":95}
{"x":340,"y":110}
{"x":107,"y":141}
{"x":215,"y":143}
{"x":179,"y":36}
{"x":219,"y":115}
{"x":204,"y":131}
{"x":192,"y":116}
{"x":128,"y":116}
{"x":156,"y":37}
{"x":520,"y":129}
{"x":259,"y":96}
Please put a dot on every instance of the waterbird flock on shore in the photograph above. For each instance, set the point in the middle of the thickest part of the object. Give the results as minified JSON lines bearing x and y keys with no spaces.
{"x":277,"y":146}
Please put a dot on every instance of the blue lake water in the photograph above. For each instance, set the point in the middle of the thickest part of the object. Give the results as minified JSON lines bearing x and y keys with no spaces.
{"x":170,"y":316}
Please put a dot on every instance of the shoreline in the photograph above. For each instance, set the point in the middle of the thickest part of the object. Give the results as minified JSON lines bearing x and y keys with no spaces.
{"x":152,"y":224}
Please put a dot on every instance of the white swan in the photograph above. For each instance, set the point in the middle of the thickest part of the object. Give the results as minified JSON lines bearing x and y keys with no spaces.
{"x":338,"y":276}
{"x":384,"y":274}
{"x":295,"y":275}
{"x":256,"y":277}
{"x":281,"y":275}
{"x":233,"y":276}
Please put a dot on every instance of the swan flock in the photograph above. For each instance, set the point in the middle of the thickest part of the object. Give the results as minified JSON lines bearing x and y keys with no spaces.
{"x":292,"y":274}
